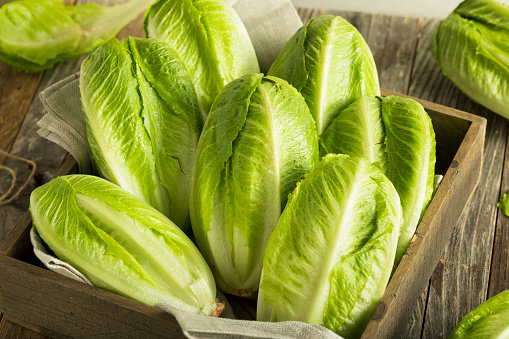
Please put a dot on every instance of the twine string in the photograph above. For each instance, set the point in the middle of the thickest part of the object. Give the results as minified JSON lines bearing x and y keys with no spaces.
{"x":4,"y":197}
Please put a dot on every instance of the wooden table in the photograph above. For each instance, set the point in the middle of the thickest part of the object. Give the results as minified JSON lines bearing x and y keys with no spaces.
{"x":473,"y":267}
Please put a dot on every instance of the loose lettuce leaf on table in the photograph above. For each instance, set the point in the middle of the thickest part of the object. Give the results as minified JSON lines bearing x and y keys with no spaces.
{"x":503,"y":204}
{"x":472,"y":47}
{"x":209,"y":37}
{"x":258,"y":142}
{"x":396,"y":133}
{"x":488,"y":320}
{"x":121,"y":244}
{"x":330,"y":257}
{"x":143,"y":121}
{"x":36,"y":34}
{"x":330,"y":64}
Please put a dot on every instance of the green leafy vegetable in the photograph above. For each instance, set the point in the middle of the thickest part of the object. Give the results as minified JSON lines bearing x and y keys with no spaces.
{"x":330,"y":257}
{"x":487,"y":321}
{"x":36,"y":34}
{"x":121,"y":244}
{"x":209,"y":37}
{"x":143,"y":121}
{"x":330,"y":64}
{"x":472,"y":47}
{"x":411,"y":153}
{"x":358,"y":131}
{"x":504,"y":204}
{"x":398,"y":134}
{"x":258,"y":142}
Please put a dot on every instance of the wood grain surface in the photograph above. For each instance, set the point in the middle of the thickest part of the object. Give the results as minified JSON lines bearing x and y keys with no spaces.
{"x":475,"y":264}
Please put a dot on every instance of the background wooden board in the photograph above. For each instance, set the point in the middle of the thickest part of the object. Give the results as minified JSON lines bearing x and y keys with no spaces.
{"x":475,"y":264}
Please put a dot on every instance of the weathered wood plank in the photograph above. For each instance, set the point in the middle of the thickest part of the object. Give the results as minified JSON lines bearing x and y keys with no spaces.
{"x":361,"y":21}
{"x":460,"y":280}
{"x":392,"y":40}
{"x":499,"y":273}
{"x":8,"y":329}
{"x":427,"y":81}
{"x":307,"y":14}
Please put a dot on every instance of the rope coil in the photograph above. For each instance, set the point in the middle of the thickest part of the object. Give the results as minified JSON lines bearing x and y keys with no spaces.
{"x":4,"y":196}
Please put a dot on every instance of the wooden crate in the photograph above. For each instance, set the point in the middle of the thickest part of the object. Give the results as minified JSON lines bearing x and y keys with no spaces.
{"x":58,"y":306}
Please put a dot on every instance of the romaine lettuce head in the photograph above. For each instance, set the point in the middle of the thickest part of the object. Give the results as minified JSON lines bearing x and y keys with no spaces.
{"x":411,"y":155}
{"x":472,"y":47}
{"x":330,"y":64}
{"x":258,"y":142}
{"x":358,"y":131}
{"x":36,"y":34}
{"x":122,"y":244}
{"x":143,"y":121}
{"x":487,"y":321}
{"x":209,"y":37}
{"x":330,"y":257}
{"x":398,"y":134}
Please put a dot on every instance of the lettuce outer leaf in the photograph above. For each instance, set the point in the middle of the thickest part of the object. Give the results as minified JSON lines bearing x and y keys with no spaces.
{"x":143,"y":121}
{"x":488,"y":320}
{"x":411,"y":151}
{"x":353,"y":213}
{"x":472,"y":47}
{"x":258,"y":142}
{"x":209,"y":37}
{"x":121,"y":244}
{"x":330,"y":64}
{"x":396,"y":133}
{"x":358,"y":131}
{"x":503,"y":204}
{"x":36,"y":34}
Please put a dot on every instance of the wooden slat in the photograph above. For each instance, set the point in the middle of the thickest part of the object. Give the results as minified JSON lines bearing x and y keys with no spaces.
{"x":499,"y":273}
{"x":361,"y":21}
{"x":460,"y":281}
{"x":307,"y":14}
{"x":10,"y":329}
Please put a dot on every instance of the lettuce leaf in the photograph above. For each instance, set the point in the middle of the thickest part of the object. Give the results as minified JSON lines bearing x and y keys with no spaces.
{"x":258,"y":142}
{"x":121,"y":244}
{"x":330,"y":64}
{"x":143,"y":121}
{"x":36,"y":34}
{"x":209,"y":37}
{"x":352,"y":213}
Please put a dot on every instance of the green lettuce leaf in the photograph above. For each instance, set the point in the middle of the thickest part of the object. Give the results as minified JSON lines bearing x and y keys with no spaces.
{"x":121,"y":244}
{"x":143,"y":121}
{"x":36,"y":34}
{"x":352,"y":213}
{"x":471,"y":46}
{"x":411,"y":153}
{"x":330,"y":64}
{"x":396,"y":133}
{"x":258,"y":142}
{"x":358,"y":131}
{"x":209,"y":37}
{"x":488,"y":320}
{"x":503,"y":204}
